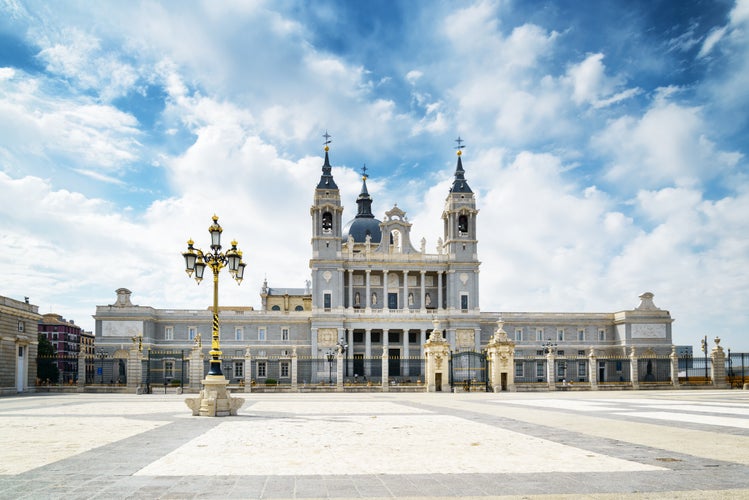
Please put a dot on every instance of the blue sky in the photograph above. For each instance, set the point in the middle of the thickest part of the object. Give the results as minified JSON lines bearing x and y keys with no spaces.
{"x":606,"y":145}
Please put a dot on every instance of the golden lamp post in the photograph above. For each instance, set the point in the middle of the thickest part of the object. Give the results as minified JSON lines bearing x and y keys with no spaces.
{"x":196,"y":261}
{"x":214,"y":399}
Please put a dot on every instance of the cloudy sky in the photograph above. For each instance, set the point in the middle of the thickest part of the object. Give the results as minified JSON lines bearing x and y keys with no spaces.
{"x":607,"y":145}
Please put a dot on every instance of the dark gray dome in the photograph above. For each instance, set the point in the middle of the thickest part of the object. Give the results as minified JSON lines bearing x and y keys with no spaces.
{"x":360,"y":227}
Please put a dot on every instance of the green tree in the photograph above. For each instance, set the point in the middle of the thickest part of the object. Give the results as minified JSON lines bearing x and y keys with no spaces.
{"x":46,"y":368}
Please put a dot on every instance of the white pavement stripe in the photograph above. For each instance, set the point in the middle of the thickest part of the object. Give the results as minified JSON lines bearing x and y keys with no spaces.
{"x":690,"y":418}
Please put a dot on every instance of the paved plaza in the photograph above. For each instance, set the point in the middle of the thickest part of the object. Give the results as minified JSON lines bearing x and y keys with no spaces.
{"x":634,"y":444}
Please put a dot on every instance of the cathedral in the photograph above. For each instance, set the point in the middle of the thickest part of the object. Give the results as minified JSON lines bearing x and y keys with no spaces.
{"x":375,"y":294}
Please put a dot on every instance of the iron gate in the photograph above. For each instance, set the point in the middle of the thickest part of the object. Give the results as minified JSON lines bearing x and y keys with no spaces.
{"x":165,"y":369}
{"x":468,"y":370}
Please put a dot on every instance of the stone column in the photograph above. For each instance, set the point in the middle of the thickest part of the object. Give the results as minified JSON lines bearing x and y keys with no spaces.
{"x":439,"y":290}
{"x":385,"y":371}
{"x":368,"y":293}
{"x":406,"y":353}
{"x":593,"y":368}
{"x":422,"y":303}
{"x":406,"y":305}
{"x":385,"y":301}
{"x":718,"y":361}
{"x":674,"y":367}
{"x":294,"y":383}
{"x":437,"y":365}
{"x":634,"y":371}
{"x":551,"y":374}
{"x":422,"y":341}
{"x":351,"y":288}
{"x":500,"y":352}
{"x":247,"y":370}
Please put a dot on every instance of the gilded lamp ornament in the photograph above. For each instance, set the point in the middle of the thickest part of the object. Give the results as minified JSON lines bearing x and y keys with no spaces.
{"x":195,"y":263}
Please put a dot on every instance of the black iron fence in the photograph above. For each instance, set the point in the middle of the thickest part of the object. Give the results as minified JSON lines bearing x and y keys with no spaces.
{"x":170,"y":368}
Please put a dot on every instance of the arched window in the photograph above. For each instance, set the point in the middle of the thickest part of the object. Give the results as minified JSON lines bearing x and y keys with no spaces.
{"x":327,"y":222}
{"x":299,"y":308}
{"x":275,"y":308}
{"x":463,"y":224}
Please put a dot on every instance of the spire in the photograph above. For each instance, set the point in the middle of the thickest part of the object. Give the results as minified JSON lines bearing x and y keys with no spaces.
{"x":326,"y":180}
{"x":364,"y":201}
{"x":459,"y":184}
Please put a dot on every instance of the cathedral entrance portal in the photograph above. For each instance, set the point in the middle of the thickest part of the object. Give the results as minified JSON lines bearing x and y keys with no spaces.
{"x":394,"y":362}
{"x":392,"y":300}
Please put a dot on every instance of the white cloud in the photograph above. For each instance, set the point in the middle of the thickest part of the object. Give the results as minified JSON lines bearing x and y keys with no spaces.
{"x":592,"y":86}
{"x":40,"y":126}
{"x":711,"y":40}
{"x":667,"y":145}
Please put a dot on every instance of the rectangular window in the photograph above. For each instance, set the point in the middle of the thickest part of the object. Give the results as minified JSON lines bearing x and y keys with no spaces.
{"x":581,"y":334}
{"x":561,"y":369}
{"x":169,"y":333}
{"x":168,"y":369}
{"x":261,"y":369}
{"x":540,"y":370}
{"x":327,"y":301}
{"x":191,"y":332}
{"x":519,"y":370}
{"x":560,"y":334}
{"x":238,"y":369}
{"x":464,"y":302}
{"x":238,"y":333}
{"x":284,"y":334}
{"x":539,"y":334}
{"x":518,"y":334}
{"x":21,"y":326}
{"x":285,"y":369}
{"x":261,"y":333}
{"x":581,"y":368}
{"x":601,"y":334}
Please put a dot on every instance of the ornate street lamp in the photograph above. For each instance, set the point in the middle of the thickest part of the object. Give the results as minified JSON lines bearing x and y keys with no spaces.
{"x":196,"y":261}
{"x":549,"y":346}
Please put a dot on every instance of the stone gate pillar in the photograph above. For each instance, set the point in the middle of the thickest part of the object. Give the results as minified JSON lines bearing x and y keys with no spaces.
{"x":550,"y":372}
{"x":294,"y":383}
{"x":247,"y":370}
{"x":674,"y":367}
{"x":634,"y":369}
{"x":500,"y":353}
{"x":718,"y":361}
{"x":196,"y":364}
{"x":339,"y":370}
{"x":134,"y":364}
{"x":593,"y":369}
{"x":437,"y":366}
{"x":385,"y":370}
{"x":81,"y":370}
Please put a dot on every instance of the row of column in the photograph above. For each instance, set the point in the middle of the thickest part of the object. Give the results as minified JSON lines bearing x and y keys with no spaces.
{"x":405,"y":353}
{"x":368,"y":302}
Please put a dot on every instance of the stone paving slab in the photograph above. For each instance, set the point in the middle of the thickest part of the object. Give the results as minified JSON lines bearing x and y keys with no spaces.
{"x":634,"y":444}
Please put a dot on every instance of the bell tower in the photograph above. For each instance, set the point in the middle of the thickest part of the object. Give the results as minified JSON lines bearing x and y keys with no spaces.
{"x":460,"y":241}
{"x":326,"y":213}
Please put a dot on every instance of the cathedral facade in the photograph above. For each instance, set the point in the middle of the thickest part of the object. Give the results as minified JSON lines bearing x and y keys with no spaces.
{"x":379,"y":294}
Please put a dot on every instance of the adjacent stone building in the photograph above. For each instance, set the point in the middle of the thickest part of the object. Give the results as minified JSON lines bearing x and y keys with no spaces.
{"x":69,"y":340}
{"x":18,"y":345}
{"x":379,"y":293}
